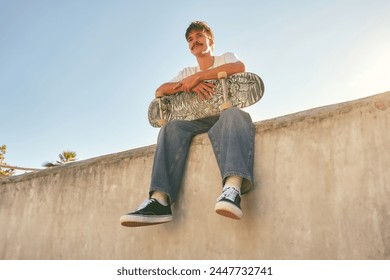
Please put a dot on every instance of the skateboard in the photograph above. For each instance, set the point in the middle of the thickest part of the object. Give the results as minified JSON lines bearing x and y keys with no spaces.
{"x":239,"y":90}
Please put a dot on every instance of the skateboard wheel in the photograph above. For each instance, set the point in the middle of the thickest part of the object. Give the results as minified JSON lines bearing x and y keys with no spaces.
{"x":162,"y":122}
{"x":222,"y":75}
{"x":225,"y":105}
{"x":159,"y":94}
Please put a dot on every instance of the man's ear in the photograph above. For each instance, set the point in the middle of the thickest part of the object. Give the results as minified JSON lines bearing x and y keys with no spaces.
{"x":212,"y":43}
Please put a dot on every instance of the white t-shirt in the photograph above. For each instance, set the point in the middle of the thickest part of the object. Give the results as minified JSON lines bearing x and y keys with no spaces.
{"x":218,"y":61}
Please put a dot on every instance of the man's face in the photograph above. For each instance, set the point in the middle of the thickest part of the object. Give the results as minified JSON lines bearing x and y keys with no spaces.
{"x":199,"y":42}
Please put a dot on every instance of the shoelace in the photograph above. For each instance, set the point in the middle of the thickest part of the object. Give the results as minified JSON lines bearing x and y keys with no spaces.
{"x":229,"y":193}
{"x":145,"y":203}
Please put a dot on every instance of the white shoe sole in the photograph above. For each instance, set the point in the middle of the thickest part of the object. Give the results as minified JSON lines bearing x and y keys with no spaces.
{"x":139,"y":220}
{"x":228,"y":210}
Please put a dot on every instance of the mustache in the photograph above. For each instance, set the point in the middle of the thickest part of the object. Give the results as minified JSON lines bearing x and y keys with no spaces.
{"x":196,"y":44}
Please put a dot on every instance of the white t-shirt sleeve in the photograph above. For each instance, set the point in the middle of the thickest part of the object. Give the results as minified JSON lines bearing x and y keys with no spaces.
{"x":219,"y":60}
{"x":188,"y":71}
{"x":228,"y":57}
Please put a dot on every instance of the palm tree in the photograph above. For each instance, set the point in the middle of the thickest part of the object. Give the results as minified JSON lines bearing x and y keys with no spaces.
{"x":8,"y":171}
{"x":65,"y":157}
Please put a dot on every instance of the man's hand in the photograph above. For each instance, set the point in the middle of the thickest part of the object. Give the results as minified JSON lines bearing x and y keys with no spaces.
{"x":189,"y":83}
{"x":193,"y":84}
{"x":204,"y":90}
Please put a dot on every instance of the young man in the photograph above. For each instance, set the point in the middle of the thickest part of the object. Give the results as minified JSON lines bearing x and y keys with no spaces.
{"x":231,"y":135}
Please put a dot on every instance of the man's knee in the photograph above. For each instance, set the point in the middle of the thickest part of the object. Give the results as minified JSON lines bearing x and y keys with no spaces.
{"x":173,"y":125}
{"x":235,"y":114}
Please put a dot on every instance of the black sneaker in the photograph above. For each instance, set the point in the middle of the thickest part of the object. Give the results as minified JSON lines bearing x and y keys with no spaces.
{"x":151,"y":212}
{"x":228,"y":204}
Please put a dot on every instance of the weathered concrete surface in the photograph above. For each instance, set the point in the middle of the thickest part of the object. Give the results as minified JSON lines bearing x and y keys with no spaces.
{"x":322,"y":186}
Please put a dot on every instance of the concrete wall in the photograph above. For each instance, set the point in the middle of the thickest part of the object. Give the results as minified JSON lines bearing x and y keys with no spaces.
{"x":322,"y":191}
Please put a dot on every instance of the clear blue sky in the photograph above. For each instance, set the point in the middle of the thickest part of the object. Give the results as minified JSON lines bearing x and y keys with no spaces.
{"x":79,"y":75}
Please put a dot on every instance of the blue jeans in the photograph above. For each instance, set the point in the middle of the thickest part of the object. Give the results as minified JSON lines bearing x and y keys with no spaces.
{"x":232,"y":137}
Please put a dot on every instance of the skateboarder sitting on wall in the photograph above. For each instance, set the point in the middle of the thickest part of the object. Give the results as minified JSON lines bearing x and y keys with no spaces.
{"x":231,"y":135}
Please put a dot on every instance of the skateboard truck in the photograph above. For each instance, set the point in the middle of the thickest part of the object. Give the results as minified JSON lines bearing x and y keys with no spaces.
{"x":159,"y":96}
{"x":226,"y":104}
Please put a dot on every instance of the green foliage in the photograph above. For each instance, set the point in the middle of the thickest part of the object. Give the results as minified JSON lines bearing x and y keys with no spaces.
{"x":4,"y":172}
{"x":65,"y":157}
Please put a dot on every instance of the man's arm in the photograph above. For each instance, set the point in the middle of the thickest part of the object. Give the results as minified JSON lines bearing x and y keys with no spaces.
{"x":229,"y":68}
{"x":194,"y":83}
{"x":204,"y":90}
{"x":190,"y":82}
{"x":170,"y":88}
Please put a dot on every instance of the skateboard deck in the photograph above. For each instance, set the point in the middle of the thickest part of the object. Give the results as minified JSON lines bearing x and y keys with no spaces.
{"x":243,"y":90}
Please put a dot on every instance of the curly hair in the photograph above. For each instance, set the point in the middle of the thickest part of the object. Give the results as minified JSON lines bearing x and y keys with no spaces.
{"x":199,"y":26}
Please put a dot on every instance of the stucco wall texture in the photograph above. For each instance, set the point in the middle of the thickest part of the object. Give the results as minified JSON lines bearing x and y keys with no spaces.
{"x":322,"y":191}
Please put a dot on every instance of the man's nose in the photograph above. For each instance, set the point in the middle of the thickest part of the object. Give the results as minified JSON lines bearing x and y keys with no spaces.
{"x":195,"y":43}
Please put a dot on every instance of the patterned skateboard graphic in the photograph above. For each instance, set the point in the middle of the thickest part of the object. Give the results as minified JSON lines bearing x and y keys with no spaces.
{"x":244,"y":89}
